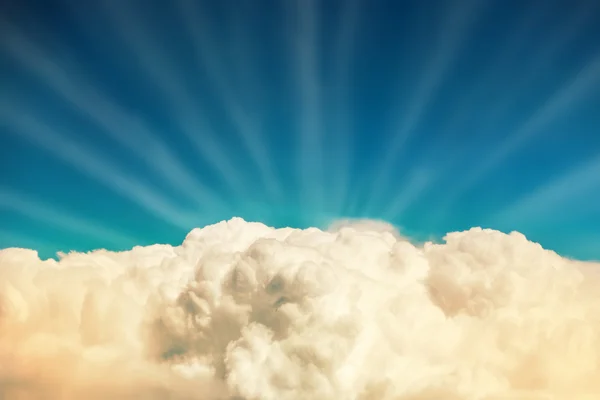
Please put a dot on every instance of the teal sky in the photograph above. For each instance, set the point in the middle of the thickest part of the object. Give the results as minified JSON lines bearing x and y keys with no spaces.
{"x":131,"y":122}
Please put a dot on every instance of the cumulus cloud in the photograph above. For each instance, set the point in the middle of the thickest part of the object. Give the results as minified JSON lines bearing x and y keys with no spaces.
{"x":364,"y":225}
{"x":244,"y":311}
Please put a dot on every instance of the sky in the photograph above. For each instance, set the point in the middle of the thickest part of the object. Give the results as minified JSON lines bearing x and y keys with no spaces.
{"x":130,"y":122}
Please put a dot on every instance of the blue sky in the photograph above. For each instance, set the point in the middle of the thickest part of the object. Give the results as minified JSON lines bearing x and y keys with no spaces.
{"x":131,"y":122}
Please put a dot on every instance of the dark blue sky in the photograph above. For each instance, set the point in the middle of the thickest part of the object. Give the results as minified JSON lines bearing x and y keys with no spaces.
{"x":131,"y":122}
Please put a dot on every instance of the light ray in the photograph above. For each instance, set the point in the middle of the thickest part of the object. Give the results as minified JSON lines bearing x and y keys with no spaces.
{"x":34,"y":210}
{"x":91,"y":164}
{"x":546,"y":55}
{"x":418,"y":181}
{"x":343,"y":139}
{"x":548,"y":198}
{"x":584,"y":83}
{"x":249,"y":94}
{"x":499,"y":63}
{"x":543,"y":56}
{"x":186,"y":106}
{"x":310,"y":132}
{"x":206,"y":56}
{"x":129,"y":131}
{"x":450,"y":40}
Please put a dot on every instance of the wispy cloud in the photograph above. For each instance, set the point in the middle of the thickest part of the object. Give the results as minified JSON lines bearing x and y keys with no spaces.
{"x":125,"y":129}
{"x":23,"y":204}
{"x":90,"y":164}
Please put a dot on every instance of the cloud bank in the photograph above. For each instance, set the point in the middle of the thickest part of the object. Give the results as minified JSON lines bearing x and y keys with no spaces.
{"x":244,"y":311}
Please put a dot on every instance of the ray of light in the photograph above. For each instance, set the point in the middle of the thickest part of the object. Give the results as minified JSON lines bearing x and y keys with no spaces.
{"x":90,"y":164}
{"x":206,"y":57}
{"x":544,"y":55}
{"x":550,"y":197}
{"x":450,"y":40}
{"x":310,"y":138}
{"x":248,"y":98}
{"x":188,"y":117}
{"x":501,"y":60}
{"x":418,"y":181}
{"x":342,"y":130}
{"x":584,"y":83}
{"x":129,"y":131}
{"x":37,"y":211}
{"x":197,"y":129}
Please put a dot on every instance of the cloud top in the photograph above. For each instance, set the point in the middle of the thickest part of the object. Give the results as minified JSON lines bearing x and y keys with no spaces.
{"x":244,"y":311}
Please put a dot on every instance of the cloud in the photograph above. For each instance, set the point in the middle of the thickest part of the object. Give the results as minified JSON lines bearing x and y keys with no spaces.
{"x":364,"y":225}
{"x":244,"y":311}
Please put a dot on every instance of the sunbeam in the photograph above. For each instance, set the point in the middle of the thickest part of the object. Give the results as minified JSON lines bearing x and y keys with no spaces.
{"x":192,"y":123}
{"x":244,"y":90}
{"x":553,"y":196}
{"x":91,"y":164}
{"x":123,"y":128}
{"x":342,"y":132}
{"x":189,"y":117}
{"x":310,"y":132}
{"x":546,"y":55}
{"x":584,"y":83}
{"x":484,"y":83}
{"x":418,"y":181}
{"x":450,"y":39}
{"x":543,"y":55}
{"x":245,"y":123}
{"x":37,"y":211}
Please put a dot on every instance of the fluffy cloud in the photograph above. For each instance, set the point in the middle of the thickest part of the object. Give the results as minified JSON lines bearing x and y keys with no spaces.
{"x":244,"y":311}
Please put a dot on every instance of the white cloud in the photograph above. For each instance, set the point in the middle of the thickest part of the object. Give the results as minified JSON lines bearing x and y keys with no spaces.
{"x":241,"y":310}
